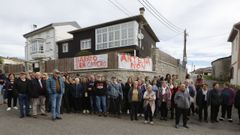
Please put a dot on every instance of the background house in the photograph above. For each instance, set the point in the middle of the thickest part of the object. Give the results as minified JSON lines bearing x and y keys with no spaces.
{"x":203,"y":71}
{"x":41,"y":43}
{"x":131,"y":35}
{"x":234,"y":38}
{"x":221,"y":69}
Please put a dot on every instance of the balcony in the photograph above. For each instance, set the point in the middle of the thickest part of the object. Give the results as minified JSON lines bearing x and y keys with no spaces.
{"x":38,"y":55}
{"x":37,"y":49}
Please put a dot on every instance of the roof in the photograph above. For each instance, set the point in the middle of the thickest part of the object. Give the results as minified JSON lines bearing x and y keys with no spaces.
{"x":234,"y":32}
{"x":64,"y":40}
{"x":229,"y":57}
{"x":203,"y":70}
{"x":49,"y":26}
{"x":138,"y":18}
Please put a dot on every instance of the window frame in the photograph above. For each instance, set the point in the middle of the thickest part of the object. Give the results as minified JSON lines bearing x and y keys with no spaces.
{"x":115,"y":38}
{"x":84,"y":45}
{"x":65,"y":47}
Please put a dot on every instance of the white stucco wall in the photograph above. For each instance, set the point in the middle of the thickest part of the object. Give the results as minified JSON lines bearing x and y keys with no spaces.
{"x":235,"y":60}
{"x":48,"y":46}
{"x":50,"y":36}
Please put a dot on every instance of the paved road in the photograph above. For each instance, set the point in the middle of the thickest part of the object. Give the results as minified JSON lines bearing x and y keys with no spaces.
{"x":78,"y":124}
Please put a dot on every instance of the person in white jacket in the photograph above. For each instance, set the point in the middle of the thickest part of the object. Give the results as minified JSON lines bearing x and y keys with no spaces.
{"x":149,"y":104}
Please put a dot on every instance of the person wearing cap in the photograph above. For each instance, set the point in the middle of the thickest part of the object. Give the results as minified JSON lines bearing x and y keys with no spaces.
{"x":115,"y":95}
{"x":22,"y":87}
{"x":56,"y":88}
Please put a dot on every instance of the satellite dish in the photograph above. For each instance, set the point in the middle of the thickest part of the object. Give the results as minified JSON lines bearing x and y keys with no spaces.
{"x":140,"y":36}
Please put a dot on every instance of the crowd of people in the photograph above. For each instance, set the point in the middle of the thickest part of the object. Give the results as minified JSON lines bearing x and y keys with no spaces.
{"x":152,"y":98}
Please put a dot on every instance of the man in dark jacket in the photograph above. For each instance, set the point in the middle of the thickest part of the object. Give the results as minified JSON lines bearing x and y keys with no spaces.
{"x":38,"y":94}
{"x":227,"y":98}
{"x":202,"y":102}
{"x":237,"y":103}
{"x":214,"y":102}
{"x":182,"y":100}
{"x":22,"y":87}
{"x":92,"y":95}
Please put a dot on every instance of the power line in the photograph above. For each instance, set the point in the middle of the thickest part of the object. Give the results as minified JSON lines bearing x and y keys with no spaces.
{"x":161,"y":16}
{"x":169,"y":27}
{"x":123,"y":7}
{"x":117,"y":6}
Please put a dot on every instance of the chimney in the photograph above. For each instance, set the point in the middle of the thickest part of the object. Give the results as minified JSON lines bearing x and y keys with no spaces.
{"x":142,"y":10}
{"x":34,"y":26}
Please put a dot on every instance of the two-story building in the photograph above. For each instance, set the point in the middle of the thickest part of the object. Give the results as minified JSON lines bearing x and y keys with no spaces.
{"x":234,"y":37}
{"x":41,"y":43}
{"x":131,"y":35}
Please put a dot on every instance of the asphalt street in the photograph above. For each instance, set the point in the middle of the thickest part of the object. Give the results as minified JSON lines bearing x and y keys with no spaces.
{"x":79,"y":124}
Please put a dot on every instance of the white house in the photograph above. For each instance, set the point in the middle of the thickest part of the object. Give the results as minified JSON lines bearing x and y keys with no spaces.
{"x":41,"y":43}
{"x":234,"y":37}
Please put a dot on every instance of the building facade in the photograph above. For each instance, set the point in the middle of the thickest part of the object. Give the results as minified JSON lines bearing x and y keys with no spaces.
{"x":124,"y":47}
{"x":130,"y":35}
{"x":221,"y":69}
{"x":234,"y":38}
{"x":41,"y":44}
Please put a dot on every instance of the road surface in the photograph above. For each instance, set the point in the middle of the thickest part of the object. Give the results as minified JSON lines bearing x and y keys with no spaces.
{"x":79,"y":124}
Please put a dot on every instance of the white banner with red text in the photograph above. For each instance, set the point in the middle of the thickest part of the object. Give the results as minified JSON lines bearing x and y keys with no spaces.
{"x":91,"y":61}
{"x":126,"y":61}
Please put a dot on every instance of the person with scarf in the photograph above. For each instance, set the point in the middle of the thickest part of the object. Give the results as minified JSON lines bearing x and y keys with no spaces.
{"x":149,"y":104}
{"x":202,"y":102}
{"x":164,"y":97}
{"x":134,"y":98}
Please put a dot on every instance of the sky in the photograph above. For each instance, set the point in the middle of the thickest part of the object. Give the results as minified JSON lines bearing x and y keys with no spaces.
{"x":208,"y":23}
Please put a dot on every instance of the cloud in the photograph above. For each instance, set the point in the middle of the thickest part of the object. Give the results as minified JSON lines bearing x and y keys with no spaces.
{"x":12,"y":50}
{"x":202,"y":18}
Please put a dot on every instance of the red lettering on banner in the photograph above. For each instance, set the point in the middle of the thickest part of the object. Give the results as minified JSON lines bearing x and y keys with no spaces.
{"x":123,"y":57}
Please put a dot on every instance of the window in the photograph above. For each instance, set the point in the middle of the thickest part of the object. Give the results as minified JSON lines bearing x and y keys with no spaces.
{"x":119,"y":35}
{"x":86,"y":44}
{"x":65,"y":47}
{"x":37,"y":46}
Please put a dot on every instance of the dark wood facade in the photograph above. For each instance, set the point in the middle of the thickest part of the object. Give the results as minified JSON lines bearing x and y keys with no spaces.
{"x":74,"y":50}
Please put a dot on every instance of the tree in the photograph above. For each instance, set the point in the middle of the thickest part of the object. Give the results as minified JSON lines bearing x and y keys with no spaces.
{"x":1,"y":60}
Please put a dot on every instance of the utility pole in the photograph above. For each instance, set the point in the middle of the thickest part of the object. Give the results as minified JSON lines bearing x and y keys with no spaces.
{"x":185,"y":49}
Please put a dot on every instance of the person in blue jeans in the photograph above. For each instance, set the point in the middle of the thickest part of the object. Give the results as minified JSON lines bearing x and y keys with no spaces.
{"x":91,"y":92}
{"x":100,"y":87}
{"x":22,"y":87}
{"x":56,"y":88}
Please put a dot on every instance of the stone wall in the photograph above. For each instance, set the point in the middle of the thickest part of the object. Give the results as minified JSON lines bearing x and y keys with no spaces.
{"x":221,"y":69}
{"x":119,"y":73}
{"x":164,"y":63}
